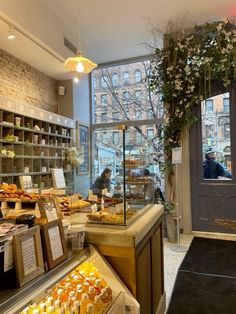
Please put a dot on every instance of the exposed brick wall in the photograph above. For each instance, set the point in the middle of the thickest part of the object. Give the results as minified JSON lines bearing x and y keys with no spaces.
{"x":22,"y":82}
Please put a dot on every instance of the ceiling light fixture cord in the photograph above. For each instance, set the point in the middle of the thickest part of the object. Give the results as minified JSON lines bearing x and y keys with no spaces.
{"x":79,"y":64}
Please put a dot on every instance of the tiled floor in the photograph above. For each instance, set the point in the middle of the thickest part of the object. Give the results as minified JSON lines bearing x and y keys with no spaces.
{"x":172,"y":261}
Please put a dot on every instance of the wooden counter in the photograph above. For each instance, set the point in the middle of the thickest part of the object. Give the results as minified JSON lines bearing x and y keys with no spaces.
{"x":136,"y":254}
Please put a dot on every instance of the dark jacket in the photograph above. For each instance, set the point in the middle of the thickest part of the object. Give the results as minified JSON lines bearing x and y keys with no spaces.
{"x":99,"y":184}
{"x":213,"y":169}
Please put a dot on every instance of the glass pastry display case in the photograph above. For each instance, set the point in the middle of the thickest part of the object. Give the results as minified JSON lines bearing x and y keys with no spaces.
{"x":128,"y":191}
{"x":85,"y":283}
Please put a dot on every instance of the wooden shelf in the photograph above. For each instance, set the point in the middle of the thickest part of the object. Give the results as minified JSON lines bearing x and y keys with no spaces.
{"x":31,"y":157}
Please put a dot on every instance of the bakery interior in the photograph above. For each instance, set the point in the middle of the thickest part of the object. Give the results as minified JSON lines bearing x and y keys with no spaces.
{"x":84,"y":198}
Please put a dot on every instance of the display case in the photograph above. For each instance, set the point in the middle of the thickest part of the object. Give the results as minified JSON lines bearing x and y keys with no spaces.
{"x":84,"y":283}
{"x":129,"y":191}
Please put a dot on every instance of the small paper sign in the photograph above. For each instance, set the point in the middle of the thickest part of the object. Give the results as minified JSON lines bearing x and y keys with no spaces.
{"x":92,"y":197}
{"x":26,"y":182}
{"x":94,"y":208}
{"x":58,"y":178}
{"x":104,"y":191}
{"x":177,"y":155}
{"x":90,"y":192}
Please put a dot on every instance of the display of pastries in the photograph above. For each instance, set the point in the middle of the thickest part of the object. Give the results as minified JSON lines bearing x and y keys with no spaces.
{"x":133,"y":162}
{"x":106,"y":217}
{"x":10,"y":191}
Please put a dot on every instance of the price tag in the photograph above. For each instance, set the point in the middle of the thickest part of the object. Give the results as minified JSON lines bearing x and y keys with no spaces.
{"x":90,"y":192}
{"x":94,"y":208}
{"x":104,"y":191}
{"x":92,"y":197}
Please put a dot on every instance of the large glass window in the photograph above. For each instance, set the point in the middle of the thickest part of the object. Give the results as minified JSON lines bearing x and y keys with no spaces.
{"x":216,"y":137}
{"x":126,"y":102}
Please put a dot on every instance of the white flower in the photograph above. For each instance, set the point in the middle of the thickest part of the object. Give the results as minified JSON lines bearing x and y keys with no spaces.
{"x":229,"y":46}
{"x":187,"y":69}
{"x":4,"y":151}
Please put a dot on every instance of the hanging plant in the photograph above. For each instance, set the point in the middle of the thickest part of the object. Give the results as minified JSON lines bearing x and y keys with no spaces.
{"x":182,"y":73}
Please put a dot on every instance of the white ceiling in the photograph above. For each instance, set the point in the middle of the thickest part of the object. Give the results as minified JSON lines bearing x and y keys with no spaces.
{"x":116,"y":30}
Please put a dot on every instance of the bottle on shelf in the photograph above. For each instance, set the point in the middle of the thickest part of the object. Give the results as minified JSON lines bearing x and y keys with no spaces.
{"x":84,"y":302}
{"x":90,"y":309}
{"x":98,"y":304}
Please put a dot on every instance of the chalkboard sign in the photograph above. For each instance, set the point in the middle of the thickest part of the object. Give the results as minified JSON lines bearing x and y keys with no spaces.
{"x":83,"y":145}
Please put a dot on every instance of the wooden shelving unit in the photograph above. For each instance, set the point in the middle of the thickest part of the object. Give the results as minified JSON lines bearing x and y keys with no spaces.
{"x":39,"y":145}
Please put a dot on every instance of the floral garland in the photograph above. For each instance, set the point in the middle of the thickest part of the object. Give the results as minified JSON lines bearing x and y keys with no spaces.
{"x":182,"y":73}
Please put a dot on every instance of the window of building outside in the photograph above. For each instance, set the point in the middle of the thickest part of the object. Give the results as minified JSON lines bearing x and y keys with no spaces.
{"x":126,"y":97}
{"x":104,"y":117}
{"x":104,"y":137}
{"x":94,"y":101}
{"x":94,"y":82}
{"x":115,"y":79}
{"x":227,"y":130}
{"x":150,"y":133}
{"x":126,"y":78}
{"x":149,"y":114}
{"x":115,"y":116}
{"x":209,"y":106}
{"x":137,"y":76}
{"x":226,"y":105}
{"x":104,"y":100}
{"x":115,"y":98}
{"x":123,"y":105}
{"x":104,"y":81}
{"x":137,"y":95}
{"x":115,"y":137}
{"x":215,"y":117}
{"x":138,"y":114}
{"x":138,"y":136}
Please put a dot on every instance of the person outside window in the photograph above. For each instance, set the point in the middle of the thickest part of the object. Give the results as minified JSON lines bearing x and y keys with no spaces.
{"x":102,"y":182}
{"x":213,"y":169}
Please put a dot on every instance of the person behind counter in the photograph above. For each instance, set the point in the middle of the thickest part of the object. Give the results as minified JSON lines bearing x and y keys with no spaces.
{"x":102,"y":182}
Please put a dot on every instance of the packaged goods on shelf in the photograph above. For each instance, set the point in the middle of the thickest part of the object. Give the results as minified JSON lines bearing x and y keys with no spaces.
{"x":83,"y":290}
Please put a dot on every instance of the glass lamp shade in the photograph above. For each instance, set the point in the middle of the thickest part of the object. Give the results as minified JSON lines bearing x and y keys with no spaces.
{"x":80,"y":64}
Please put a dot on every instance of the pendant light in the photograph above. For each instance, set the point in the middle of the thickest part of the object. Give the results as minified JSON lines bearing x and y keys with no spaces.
{"x":78,"y":63}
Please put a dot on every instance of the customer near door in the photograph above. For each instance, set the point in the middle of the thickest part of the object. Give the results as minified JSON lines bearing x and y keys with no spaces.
{"x":102,"y":182}
{"x":213,"y":169}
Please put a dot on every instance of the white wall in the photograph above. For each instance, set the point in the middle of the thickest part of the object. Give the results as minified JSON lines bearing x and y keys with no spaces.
{"x":36,"y":19}
{"x":81,"y":110}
